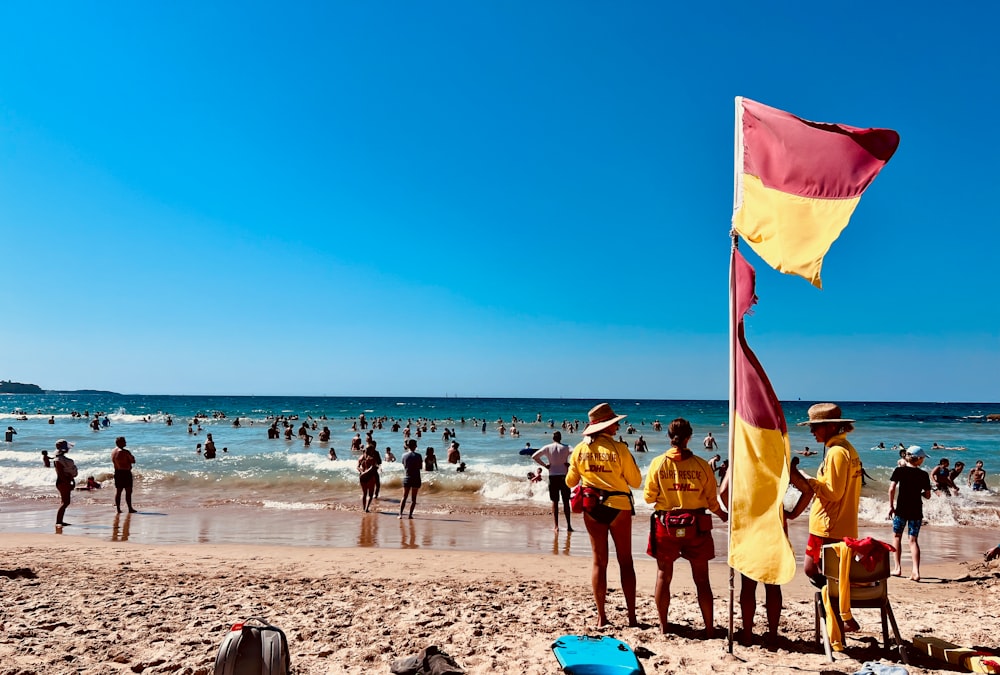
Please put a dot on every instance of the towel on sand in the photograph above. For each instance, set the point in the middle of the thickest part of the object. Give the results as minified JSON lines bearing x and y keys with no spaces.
{"x":428,"y":661}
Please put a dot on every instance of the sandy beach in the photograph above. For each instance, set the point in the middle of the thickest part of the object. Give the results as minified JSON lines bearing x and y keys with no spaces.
{"x":99,"y":604}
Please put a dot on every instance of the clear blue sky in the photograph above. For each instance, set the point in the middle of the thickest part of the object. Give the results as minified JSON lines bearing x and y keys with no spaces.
{"x":481,"y":198}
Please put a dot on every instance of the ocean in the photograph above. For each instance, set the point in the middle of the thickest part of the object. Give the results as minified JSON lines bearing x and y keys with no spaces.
{"x":287,"y":475}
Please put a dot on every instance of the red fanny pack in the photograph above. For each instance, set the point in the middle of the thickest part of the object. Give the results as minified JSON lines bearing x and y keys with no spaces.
{"x":584,"y":498}
{"x":684,"y":524}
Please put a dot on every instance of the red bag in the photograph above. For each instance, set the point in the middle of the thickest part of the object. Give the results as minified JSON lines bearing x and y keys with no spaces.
{"x":584,"y":498}
{"x":681,"y":525}
{"x":686,"y":524}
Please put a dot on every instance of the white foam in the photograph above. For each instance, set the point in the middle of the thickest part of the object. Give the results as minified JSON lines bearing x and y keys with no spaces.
{"x":28,"y":477}
{"x":293,"y":506}
{"x":967,"y":508}
{"x":500,"y":489}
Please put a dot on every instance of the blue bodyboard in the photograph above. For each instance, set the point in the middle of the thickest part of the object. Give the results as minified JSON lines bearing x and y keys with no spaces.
{"x":595,"y":655}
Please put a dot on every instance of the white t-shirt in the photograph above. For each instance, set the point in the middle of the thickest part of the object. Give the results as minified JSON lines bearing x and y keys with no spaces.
{"x":558,"y":456}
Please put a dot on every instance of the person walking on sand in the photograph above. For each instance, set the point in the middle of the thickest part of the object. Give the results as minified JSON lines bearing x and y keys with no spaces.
{"x":837,"y":486}
{"x":605,"y":467}
{"x":556,"y":462}
{"x":65,"y":478}
{"x":123,"y":460}
{"x":681,"y":486}
{"x":412,"y":463}
{"x":907,"y":510}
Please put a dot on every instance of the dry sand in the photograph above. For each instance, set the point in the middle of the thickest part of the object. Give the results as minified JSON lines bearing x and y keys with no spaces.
{"x":97,"y":606}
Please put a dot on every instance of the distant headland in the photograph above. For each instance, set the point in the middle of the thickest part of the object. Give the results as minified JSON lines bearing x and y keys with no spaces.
{"x":9,"y":387}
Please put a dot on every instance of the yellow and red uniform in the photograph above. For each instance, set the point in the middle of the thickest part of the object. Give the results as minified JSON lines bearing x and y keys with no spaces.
{"x":676,"y":483}
{"x":605,"y":464}
{"x":837,"y":486}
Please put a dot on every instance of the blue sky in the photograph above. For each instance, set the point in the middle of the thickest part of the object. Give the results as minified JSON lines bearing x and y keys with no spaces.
{"x":482,"y":198}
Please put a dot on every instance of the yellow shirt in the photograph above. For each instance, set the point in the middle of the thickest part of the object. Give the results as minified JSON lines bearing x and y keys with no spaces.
{"x":675,"y":483}
{"x":605,"y":464}
{"x":837,"y":486}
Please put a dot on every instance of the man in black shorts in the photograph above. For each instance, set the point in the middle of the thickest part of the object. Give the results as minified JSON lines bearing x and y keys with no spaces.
{"x":557,"y":462}
{"x":123,"y":461}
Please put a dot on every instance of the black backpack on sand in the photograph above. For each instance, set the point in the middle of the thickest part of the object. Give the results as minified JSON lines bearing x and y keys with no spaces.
{"x":254,"y":647}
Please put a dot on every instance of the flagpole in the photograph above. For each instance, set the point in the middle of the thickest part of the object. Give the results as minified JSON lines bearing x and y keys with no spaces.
{"x":737,"y":197}
{"x":732,"y":419}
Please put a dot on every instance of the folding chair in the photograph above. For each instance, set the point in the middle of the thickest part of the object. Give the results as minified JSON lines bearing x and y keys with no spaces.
{"x":869,"y":589}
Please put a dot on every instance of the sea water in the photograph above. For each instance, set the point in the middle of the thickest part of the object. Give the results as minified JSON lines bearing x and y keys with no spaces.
{"x":288,"y":475}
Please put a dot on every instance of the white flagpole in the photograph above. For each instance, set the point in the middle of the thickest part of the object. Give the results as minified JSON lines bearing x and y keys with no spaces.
{"x":737,"y":199}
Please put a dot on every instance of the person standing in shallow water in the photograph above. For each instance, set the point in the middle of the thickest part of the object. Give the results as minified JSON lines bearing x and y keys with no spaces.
{"x":209,"y":447}
{"x":556,"y":456}
{"x":941,"y":475}
{"x":65,"y":478}
{"x":412,"y":462}
{"x":367,"y":473}
{"x":605,"y":465}
{"x":977,"y":477}
{"x":123,"y":460}
{"x":430,"y":461}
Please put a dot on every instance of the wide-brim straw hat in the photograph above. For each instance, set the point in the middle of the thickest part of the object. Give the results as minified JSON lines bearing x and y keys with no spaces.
{"x":601,"y":417}
{"x":825,"y":413}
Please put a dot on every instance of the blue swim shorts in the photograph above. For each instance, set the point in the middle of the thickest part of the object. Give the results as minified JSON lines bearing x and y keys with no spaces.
{"x":912,"y":526}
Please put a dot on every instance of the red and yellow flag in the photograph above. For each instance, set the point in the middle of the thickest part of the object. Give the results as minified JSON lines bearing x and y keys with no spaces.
{"x":758,"y":544}
{"x":798,"y":182}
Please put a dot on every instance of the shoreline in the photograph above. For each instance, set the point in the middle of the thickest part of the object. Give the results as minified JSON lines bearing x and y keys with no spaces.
{"x":436,"y":525}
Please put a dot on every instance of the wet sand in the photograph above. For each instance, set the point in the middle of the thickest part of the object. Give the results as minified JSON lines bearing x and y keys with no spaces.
{"x":437,"y":525}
